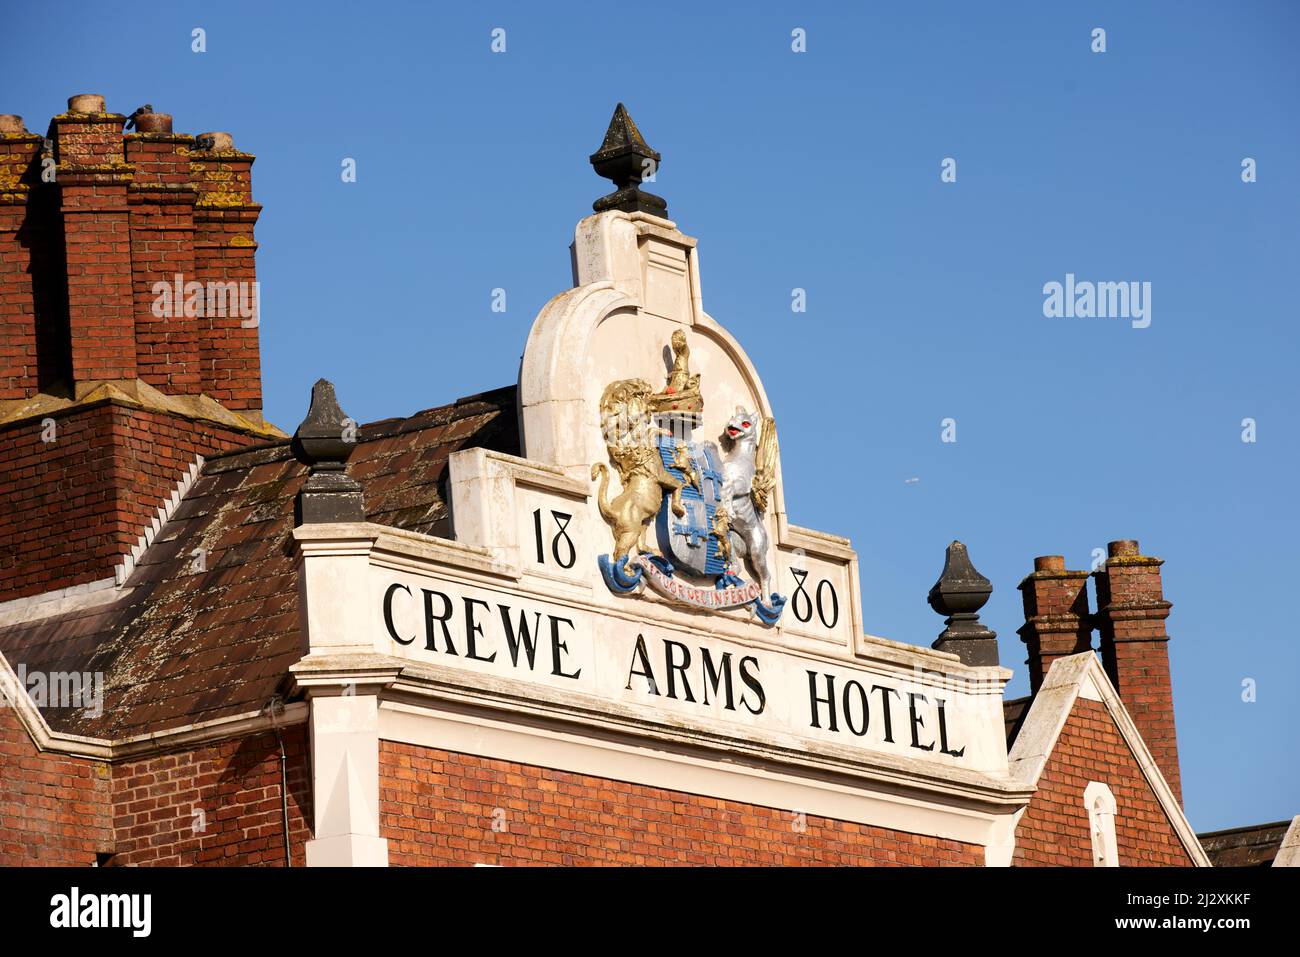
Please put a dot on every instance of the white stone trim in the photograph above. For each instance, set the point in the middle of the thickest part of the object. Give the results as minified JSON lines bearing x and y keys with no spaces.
{"x":484,"y":503}
{"x":1100,"y":803}
{"x":122,"y":571}
{"x":551,"y":400}
{"x":1001,"y":848}
{"x":345,"y":783}
{"x":16,"y":611}
{"x":438,"y":688}
{"x":1051,"y":707}
{"x":1288,"y":854}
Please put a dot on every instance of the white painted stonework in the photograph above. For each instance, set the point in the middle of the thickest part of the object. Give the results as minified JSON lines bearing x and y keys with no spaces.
{"x":1100,"y":803}
{"x":630,"y":686}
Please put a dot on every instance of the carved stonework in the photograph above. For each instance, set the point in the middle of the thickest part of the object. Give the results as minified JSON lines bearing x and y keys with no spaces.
{"x":324,"y":441}
{"x":681,"y":395}
{"x":707,"y":512}
{"x":960,"y":593}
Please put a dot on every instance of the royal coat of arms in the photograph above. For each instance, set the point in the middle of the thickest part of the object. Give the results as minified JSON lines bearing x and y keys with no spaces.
{"x":707,"y":510}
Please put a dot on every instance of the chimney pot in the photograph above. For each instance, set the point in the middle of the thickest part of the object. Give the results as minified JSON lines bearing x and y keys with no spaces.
{"x":1049,"y":563}
{"x":215,"y":141}
{"x":11,"y":123}
{"x":1124,"y":548}
{"x":86,"y":103}
{"x":153,"y":123}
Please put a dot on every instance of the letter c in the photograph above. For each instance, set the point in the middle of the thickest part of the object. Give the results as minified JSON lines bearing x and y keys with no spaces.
{"x":388,"y":613}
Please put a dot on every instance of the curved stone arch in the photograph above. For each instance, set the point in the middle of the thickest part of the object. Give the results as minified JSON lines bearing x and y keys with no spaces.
{"x":709,"y":327}
{"x":555,"y":401}
{"x":553,"y":374}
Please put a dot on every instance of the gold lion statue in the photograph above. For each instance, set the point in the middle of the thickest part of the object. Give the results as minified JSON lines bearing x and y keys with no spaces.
{"x":626,"y":408}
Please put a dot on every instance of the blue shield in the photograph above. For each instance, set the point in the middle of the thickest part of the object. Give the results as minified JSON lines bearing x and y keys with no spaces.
{"x":687,"y":541}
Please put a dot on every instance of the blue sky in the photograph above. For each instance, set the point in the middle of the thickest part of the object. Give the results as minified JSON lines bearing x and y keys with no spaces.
{"x":821,"y":171}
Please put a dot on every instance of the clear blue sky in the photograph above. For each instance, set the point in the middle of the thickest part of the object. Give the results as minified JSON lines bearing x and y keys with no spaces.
{"x":821,"y":170}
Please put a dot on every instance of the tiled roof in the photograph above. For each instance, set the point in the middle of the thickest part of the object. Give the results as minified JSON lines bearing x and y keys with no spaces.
{"x":1253,"y":846}
{"x":189,"y":644}
{"x":1013,"y":716}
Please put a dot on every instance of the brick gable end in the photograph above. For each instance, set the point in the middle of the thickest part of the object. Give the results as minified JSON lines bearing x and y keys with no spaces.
{"x":1055,"y":831}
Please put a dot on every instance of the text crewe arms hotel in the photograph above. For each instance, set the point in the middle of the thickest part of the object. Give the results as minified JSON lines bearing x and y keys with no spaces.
{"x":511,"y":635}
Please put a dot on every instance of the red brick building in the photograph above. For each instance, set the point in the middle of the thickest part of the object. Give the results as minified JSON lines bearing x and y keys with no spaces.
{"x":411,"y":643}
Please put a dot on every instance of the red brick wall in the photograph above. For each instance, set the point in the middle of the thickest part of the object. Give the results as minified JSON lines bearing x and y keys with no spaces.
{"x":1055,"y":828}
{"x":236,"y":786}
{"x":57,"y":810}
{"x":54,"y":810}
{"x":74,"y":506}
{"x":437,"y":807}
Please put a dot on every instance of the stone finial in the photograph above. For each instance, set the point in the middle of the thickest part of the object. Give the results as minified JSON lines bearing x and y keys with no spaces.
{"x":323,"y":441}
{"x":959,"y":594}
{"x":626,"y":159}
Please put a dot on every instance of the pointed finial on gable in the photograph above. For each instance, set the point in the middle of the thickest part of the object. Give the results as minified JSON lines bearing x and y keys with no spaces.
{"x":324,"y":441}
{"x":627,"y":160}
{"x":960,"y":593}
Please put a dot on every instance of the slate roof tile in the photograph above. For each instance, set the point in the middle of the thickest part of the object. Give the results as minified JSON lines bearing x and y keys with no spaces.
{"x":193,"y":642}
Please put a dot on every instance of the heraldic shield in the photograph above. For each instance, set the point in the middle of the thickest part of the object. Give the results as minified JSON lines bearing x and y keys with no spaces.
{"x":689,"y":541}
{"x":681,"y":487}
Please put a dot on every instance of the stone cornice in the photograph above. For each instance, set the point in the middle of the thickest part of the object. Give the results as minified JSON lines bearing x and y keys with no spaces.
{"x":420,"y":687}
{"x":134,"y":394}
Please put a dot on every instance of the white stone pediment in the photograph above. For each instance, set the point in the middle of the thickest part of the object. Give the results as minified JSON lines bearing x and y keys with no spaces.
{"x":511,"y":640}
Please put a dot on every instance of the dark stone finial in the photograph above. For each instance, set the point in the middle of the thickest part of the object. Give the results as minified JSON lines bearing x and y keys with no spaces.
{"x":959,"y":594}
{"x":626,"y":159}
{"x":323,"y":441}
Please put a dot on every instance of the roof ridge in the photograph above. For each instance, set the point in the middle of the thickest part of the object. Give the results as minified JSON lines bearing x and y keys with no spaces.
{"x":458,"y":409}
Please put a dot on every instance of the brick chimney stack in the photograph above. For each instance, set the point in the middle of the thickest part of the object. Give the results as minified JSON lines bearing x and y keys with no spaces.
{"x":1131,"y":613}
{"x":1056,"y":616}
{"x":128,"y":334}
{"x":224,"y":215}
{"x":93,"y":178}
{"x":19,"y":153}
{"x":161,"y":198}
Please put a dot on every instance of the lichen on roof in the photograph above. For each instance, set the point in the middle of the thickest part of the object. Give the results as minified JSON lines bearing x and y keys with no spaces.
{"x":184,"y":644}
